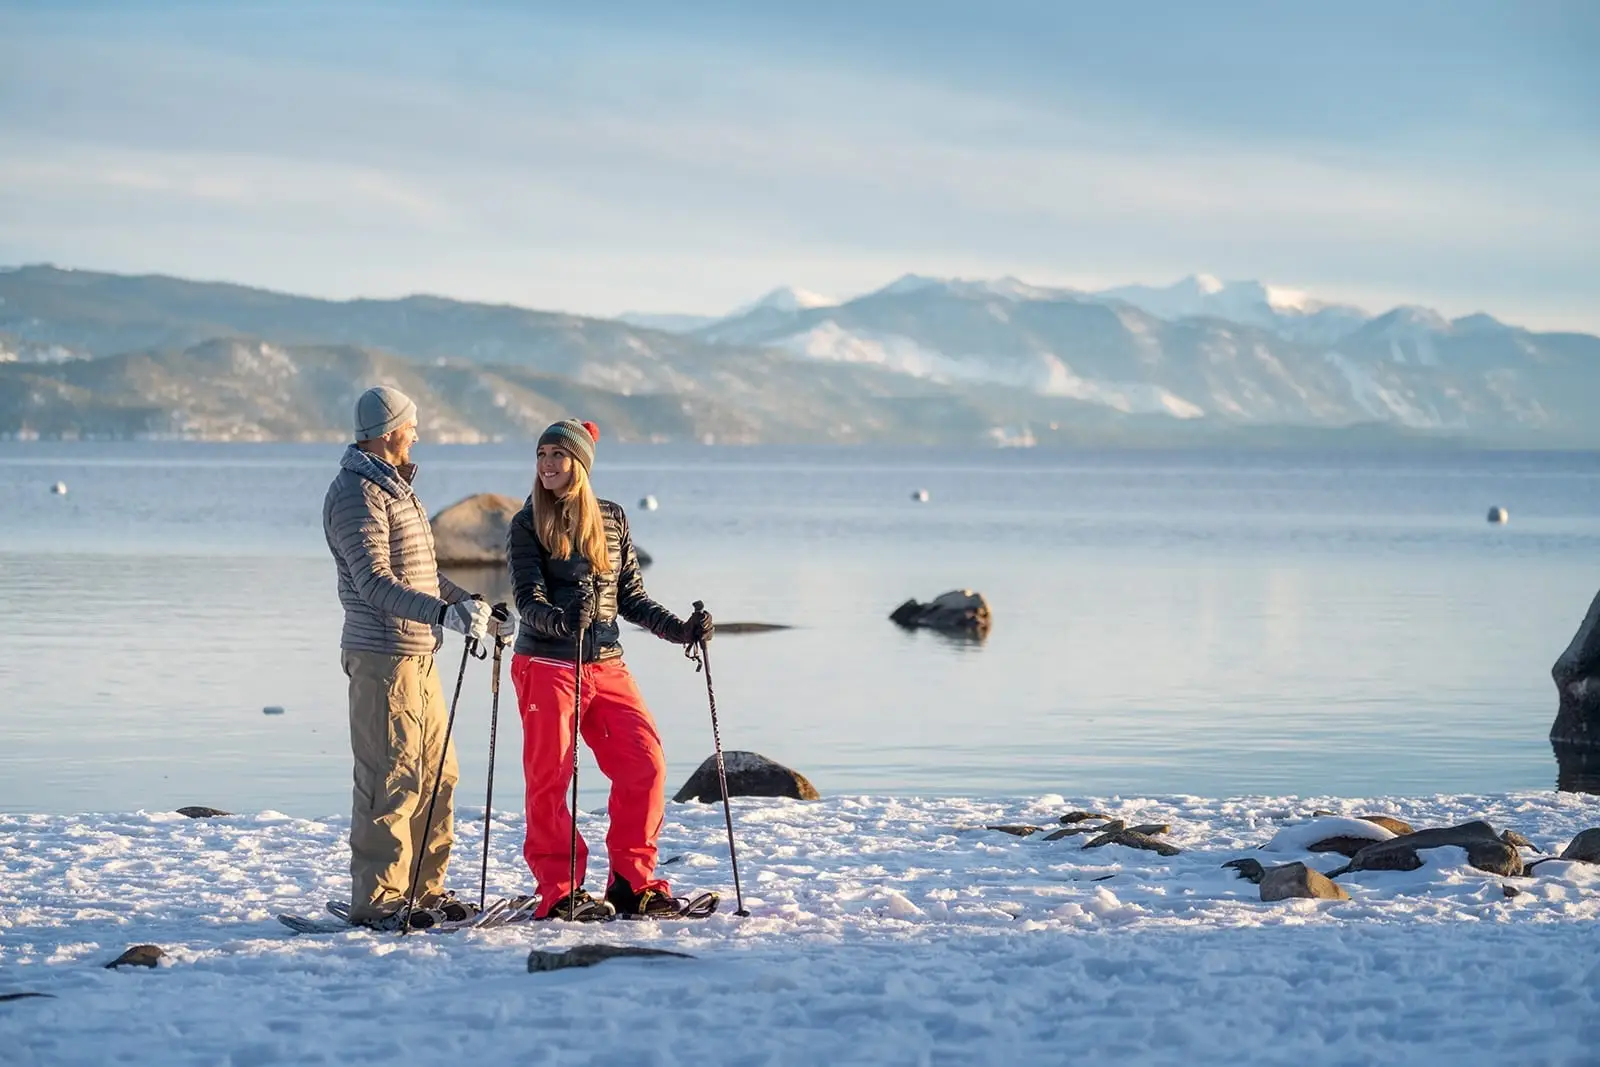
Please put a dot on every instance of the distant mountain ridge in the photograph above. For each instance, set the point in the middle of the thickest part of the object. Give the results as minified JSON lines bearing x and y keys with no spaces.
{"x":921,"y":360}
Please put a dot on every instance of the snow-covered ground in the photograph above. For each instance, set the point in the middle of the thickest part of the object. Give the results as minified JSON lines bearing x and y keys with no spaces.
{"x":893,"y":931}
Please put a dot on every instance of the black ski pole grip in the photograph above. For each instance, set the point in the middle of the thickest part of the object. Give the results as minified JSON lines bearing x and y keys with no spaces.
{"x":699,"y":605}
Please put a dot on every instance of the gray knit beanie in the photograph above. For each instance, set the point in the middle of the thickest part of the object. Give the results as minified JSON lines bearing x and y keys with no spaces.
{"x":381,"y":410}
{"x":578,"y":438}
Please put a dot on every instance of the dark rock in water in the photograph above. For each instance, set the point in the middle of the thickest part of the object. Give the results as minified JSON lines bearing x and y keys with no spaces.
{"x":1296,"y":880}
{"x":750,"y":774}
{"x":1015,"y":830}
{"x":1389,"y":823}
{"x":199,"y":811}
{"x":1248,"y":869}
{"x":472,"y":532}
{"x":961,"y":612}
{"x":1585,"y":848}
{"x":1577,"y":677}
{"x":138,"y":956}
{"x":1082,"y":816}
{"x":540,"y":960}
{"x":751,"y":627}
{"x":24,"y":996}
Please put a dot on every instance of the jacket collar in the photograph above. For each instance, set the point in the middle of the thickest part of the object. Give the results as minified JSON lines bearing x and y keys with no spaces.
{"x":396,"y":481}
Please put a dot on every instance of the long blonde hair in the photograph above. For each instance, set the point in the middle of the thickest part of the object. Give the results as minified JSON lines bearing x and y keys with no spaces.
{"x":571,"y":524}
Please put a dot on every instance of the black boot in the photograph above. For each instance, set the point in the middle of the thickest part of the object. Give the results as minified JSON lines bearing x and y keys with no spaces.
{"x":580,"y":907}
{"x":654,"y":902}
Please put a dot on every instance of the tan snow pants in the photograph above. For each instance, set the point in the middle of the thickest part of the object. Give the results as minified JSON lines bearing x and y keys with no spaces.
{"x":397,"y":729}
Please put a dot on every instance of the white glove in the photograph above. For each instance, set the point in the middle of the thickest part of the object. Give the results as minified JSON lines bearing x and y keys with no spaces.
{"x":470,"y":617}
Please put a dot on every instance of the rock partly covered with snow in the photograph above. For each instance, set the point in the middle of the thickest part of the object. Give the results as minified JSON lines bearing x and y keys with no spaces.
{"x":1485,"y":849}
{"x":472,"y":532}
{"x":1577,"y":677}
{"x":1584,"y":848}
{"x":750,"y":774}
{"x":1293,"y":880}
{"x":138,"y":956}
{"x":959,"y":611}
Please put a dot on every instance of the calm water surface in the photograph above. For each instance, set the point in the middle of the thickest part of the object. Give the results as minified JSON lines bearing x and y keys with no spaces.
{"x":1165,"y":623}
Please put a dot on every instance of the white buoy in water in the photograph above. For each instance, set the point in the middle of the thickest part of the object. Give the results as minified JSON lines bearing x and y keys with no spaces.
{"x":1499,"y":516}
{"x":920,"y":496}
{"x":649,"y":503}
{"x":59,"y":489}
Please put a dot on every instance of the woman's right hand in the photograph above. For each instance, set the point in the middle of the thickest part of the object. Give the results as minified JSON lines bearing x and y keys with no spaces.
{"x":577,"y":616}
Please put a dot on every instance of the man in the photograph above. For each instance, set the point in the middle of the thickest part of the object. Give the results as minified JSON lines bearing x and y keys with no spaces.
{"x":395,"y":601}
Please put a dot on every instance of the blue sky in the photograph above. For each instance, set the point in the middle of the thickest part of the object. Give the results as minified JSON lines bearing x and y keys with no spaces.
{"x":687,"y":157}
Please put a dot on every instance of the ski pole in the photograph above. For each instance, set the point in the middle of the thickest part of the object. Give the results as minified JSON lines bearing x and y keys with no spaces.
{"x":467,"y":650}
{"x":501,"y":612}
{"x":703,"y":660}
{"x":577,"y":705}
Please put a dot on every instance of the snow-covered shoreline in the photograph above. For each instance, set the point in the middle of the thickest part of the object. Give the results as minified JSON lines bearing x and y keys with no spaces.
{"x":885,"y":930}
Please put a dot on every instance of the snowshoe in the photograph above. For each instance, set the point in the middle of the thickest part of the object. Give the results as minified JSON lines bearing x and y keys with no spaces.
{"x":580,"y":907}
{"x":654,"y":901}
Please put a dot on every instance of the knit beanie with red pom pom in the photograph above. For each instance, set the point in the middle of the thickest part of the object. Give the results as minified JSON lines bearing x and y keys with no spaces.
{"x":578,"y":438}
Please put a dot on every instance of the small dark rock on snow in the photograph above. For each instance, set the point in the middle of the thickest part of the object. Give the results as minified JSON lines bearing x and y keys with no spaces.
{"x":200,"y":811}
{"x":750,"y":774}
{"x":138,"y":956}
{"x":588,"y":955}
{"x":1248,"y":869}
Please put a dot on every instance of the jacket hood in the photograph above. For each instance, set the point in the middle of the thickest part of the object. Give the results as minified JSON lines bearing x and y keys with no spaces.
{"x":396,"y":481}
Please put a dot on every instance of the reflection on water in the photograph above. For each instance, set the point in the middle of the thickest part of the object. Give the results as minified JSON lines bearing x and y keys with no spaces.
{"x":1577,"y":768}
{"x":493,"y":582}
{"x":1163,"y":623}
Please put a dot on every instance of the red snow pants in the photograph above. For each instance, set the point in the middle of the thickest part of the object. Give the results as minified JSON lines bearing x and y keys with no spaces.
{"x":622,"y":735}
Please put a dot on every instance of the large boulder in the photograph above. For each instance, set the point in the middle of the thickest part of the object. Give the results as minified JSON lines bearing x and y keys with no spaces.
{"x":1585,"y":848}
{"x":1486,"y":850}
{"x":960,"y":611}
{"x":750,"y":774}
{"x":472,"y":532}
{"x":1296,"y":880}
{"x":1577,"y":677}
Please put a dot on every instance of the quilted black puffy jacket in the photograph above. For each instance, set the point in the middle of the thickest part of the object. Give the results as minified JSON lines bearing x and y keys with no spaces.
{"x":545,"y":586}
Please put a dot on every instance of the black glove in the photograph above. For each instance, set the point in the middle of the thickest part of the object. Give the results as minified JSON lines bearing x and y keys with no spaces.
{"x":577,"y":617}
{"x":698,"y":627}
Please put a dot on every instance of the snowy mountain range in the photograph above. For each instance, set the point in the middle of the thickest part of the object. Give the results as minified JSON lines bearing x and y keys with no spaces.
{"x":1241,"y":351}
{"x":920,"y":360}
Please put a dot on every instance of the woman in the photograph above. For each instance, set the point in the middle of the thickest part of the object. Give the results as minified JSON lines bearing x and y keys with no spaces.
{"x":574,"y":571}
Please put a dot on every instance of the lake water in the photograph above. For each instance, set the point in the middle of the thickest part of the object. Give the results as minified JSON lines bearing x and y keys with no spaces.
{"x":1214,"y":624}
